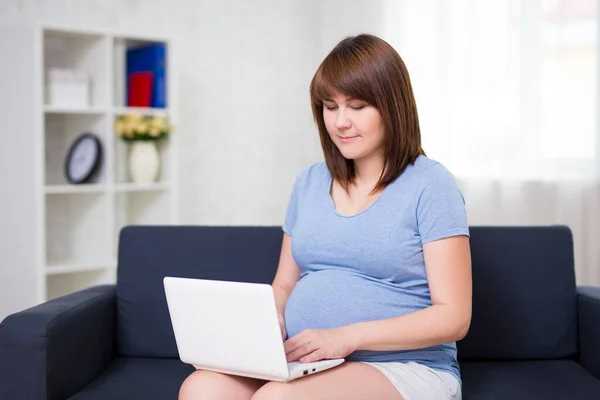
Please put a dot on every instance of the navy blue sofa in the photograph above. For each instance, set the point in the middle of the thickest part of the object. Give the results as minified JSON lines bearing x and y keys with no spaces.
{"x":534,"y":334}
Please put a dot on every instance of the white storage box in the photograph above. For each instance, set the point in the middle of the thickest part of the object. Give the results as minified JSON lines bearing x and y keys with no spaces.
{"x":67,"y":88}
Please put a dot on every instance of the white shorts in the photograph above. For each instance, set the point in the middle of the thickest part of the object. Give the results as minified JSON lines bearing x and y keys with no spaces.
{"x":415,"y":381}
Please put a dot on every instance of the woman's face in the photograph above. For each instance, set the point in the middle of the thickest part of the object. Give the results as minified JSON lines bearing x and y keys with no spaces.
{"x":355,"y":127}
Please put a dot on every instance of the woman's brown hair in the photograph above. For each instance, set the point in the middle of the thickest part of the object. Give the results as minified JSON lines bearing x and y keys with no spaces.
{"x":367,"y":68}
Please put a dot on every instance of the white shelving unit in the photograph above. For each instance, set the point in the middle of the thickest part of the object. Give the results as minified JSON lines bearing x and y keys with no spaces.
{"x":58,"y":237}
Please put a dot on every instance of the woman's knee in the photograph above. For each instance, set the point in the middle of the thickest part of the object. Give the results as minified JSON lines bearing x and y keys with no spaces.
{"x":213,"y":385}
{"x":272,"y":391}
{"x":196,"y":384}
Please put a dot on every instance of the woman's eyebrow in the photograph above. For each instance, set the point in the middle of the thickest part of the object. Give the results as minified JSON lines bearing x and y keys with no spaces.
{"x":347,"y":99}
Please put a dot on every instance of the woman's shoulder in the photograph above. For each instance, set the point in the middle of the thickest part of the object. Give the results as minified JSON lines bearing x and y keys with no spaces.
{"x":429,"y":171}
{"x":424,"y":172}
{"x":314,"y":173}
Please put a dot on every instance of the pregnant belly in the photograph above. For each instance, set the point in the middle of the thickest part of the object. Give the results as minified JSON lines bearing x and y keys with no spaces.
{"x":333,"y":298}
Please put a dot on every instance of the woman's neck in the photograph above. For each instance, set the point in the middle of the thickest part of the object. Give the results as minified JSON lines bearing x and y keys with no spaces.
{"x":368,"y":171}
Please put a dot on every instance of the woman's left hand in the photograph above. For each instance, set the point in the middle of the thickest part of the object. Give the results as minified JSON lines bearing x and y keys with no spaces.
{"x":320,"y":344}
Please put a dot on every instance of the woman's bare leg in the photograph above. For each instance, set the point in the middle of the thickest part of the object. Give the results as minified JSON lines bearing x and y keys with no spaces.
{"x":207,"y":385}
{"x":349,"y":381}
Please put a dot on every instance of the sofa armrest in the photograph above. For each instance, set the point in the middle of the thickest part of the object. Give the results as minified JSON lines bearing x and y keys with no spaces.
{"x":51,"y":351}
{"x":588,"y":304}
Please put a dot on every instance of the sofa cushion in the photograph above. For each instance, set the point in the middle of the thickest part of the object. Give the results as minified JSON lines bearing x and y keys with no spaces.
{"x":137,"y":378}
{"x":524,"y":294}
{"x":527,"y":380}
{"x":147,"y":254}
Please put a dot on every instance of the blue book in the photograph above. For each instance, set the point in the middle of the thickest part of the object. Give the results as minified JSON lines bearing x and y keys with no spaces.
{"x":150,"y":58}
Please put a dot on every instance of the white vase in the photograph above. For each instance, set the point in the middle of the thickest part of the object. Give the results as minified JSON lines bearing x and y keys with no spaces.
{"x":144,"y":162}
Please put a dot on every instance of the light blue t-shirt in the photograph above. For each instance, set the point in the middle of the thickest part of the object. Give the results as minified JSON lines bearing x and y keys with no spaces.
{"x":370,"y":266}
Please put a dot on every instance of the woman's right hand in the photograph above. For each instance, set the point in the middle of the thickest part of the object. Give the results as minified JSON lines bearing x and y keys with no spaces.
{"x":282,"y":327}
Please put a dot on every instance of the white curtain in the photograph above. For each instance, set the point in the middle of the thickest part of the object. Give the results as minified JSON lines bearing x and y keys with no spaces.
{"x":507,"y":97}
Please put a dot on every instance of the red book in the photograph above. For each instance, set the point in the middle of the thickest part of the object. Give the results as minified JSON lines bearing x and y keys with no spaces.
{"x":140,"y":89}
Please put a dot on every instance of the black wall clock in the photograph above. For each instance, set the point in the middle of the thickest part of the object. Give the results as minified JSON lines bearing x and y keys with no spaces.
{"x":84,"y":159}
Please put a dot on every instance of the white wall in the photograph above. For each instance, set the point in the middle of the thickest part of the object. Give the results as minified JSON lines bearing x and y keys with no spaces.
{"x":247,"y":109}
{"x":341,"y":18}
{"x":245,"y":127}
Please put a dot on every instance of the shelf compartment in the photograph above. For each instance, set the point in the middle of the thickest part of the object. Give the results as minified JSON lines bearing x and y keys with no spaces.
{"x":61,"y":284}
{"x":120,"y":46}
{"x":77,"y":228}
{"x":81,"y":52}
{"x":61,"y":132}
{"x":142,"y":208}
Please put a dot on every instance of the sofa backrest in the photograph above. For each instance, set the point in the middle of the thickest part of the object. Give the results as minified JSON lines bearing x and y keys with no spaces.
{"x":524,"y":304}
{"x":523,"y":285}
{"x":149,"y":253}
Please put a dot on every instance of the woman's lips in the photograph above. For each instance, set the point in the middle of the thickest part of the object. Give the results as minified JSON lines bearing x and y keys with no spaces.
{"x":348,"y":139}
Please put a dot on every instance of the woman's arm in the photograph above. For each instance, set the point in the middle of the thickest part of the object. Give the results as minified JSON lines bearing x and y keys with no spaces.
{"x":448,"y":267}
{"x":286,"y":277}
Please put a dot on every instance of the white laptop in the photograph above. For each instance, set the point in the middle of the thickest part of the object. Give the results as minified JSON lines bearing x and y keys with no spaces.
{"x":232,"y":327}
